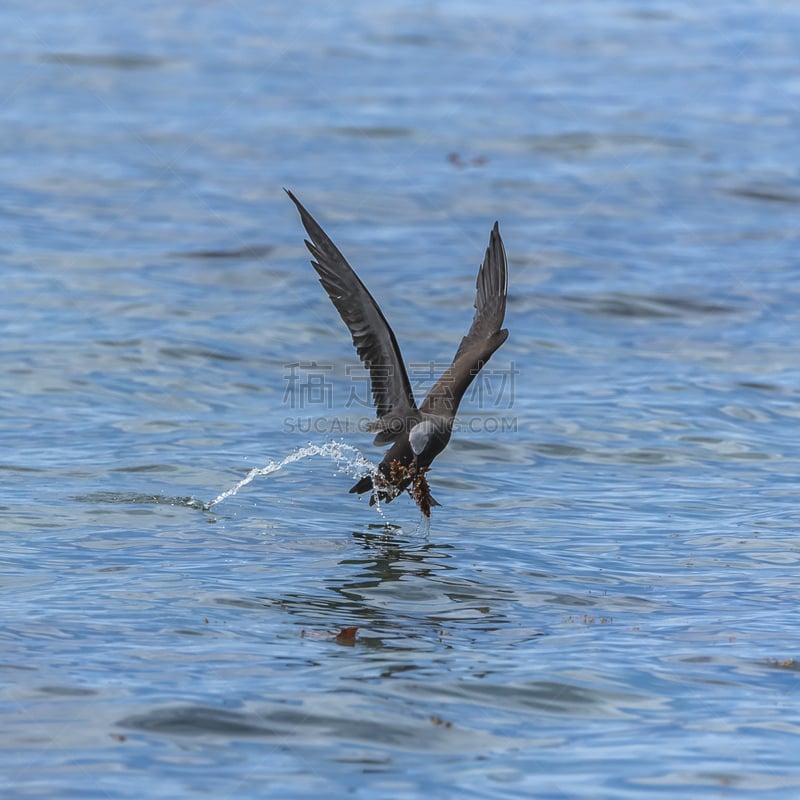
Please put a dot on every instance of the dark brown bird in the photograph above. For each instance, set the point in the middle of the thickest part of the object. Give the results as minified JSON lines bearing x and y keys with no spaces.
{"x":417,"y":435}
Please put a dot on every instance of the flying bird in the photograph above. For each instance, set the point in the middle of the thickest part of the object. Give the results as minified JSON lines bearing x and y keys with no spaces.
{"x":417,"y":434}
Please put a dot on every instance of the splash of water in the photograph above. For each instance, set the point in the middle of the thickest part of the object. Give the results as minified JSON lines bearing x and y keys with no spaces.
{"x":348,"y":459}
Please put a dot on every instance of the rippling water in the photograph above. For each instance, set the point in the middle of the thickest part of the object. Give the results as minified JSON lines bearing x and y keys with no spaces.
{"x":605,"y":604}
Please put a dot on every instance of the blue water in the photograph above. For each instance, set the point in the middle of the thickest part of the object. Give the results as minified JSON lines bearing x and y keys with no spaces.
{"x":606,"y":603}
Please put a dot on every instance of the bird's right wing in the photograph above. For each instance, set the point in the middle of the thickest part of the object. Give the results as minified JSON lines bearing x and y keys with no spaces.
{"x":484,"y":336}
{"x":374,"y":340}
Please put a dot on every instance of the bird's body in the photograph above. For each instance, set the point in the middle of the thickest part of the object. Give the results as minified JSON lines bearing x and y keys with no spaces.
{"x":417,"y":435}
{"x":407,"y":461}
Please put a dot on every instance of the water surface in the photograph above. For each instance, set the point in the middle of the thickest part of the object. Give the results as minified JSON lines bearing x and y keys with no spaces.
{"x":604,"y":605}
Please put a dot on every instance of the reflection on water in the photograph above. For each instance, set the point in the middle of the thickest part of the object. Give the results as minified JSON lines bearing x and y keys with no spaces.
{"x":385,"y":578}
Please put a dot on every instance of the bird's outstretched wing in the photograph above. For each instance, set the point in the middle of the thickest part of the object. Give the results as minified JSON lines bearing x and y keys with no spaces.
{"x":374,"y":340}
{"x":484,"y":336}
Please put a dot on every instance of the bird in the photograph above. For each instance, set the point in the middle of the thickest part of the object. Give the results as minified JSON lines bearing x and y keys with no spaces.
{"x":417,"y":434}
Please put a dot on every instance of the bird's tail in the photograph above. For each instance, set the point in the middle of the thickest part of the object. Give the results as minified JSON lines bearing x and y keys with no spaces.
{"x":364,"y":485}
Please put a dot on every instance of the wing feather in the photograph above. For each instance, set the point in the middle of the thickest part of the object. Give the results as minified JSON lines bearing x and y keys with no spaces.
{"x":373,"y":339}
{"x":484,"y":336}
